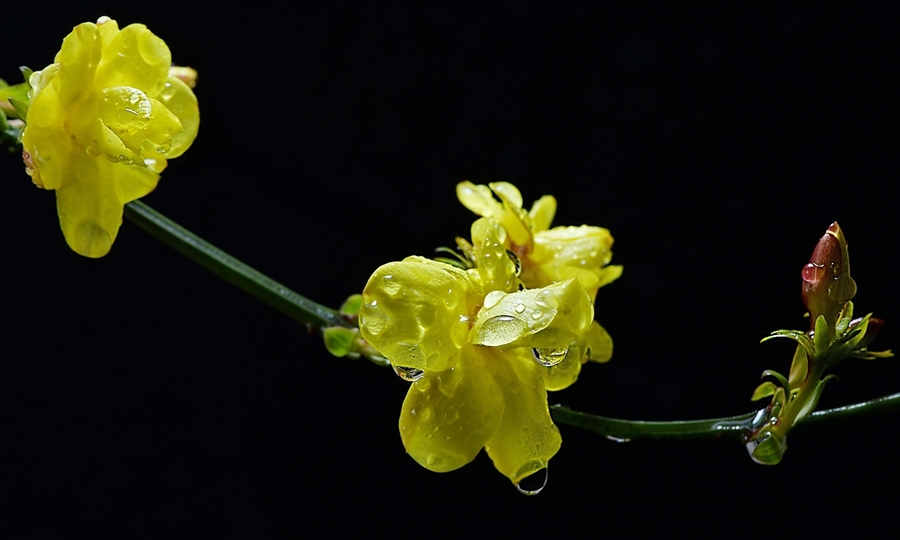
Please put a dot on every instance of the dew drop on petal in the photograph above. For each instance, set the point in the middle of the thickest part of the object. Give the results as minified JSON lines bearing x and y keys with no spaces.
{"x":520,"y":308}
{"x":501,"y":330}
{"x":390,"y":285}
{"x":550,"y":357}
{"x":408,"y":373}
{"x":533,"y":484}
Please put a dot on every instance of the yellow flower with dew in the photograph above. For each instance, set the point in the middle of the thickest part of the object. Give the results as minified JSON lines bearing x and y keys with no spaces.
{"x":102,"y":122}
{"x":547,"y":255}
{"x":481,"y":354}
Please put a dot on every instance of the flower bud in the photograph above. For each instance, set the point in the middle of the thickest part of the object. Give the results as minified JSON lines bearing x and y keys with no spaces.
{"x":827,"y":284}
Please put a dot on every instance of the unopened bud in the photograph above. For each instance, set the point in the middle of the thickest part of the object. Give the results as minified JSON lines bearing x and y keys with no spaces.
{"x":827,"y":284}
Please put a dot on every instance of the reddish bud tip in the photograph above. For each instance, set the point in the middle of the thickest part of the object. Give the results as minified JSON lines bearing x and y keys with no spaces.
{"x":827,"y":284}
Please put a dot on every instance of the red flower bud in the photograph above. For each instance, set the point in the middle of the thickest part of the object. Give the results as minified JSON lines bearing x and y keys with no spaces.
{"x":827,"y":284}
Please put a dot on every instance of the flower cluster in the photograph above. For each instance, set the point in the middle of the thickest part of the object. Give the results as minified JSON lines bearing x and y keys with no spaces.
{"x":484,"y":340}
{"x":102,"y":122}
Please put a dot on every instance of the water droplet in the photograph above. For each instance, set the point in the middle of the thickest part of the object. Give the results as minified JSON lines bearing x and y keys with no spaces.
{"x":520,"y":308}
{"x":812,"y":272}
{"x":515,"y":261}
{"x":533,"y":484}
{"x":550,"y":357}
{"x":389,"y":285}
{"x":408,"y":373}
{"x":541,"y":300}
{"x":618,"y":439}
{"x":500,"y":330}
{"x":537,"y":314}
{"x":167,"y":92}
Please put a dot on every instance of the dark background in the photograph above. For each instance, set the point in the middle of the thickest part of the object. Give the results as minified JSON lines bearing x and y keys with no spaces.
{"x":142,"y":396}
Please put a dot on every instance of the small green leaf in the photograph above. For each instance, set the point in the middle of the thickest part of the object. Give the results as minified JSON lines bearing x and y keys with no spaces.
{"x":872,"y":355}
{"x":800,"y":337}
{"x":822,"y":337}
{"x":799,"y":367}
{"x":844,"y":319}
{"x":813,"y":399}
{"x":339,"y":340}
{"x":26,"y":74}
{"x":766,"y":389}
{"x":21,"y":107}
{"x":781,"y":380}
{"x":351,"y":305}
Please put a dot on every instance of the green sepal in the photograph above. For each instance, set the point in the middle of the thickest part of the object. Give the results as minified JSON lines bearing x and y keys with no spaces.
{"x":339,"y":340}
{"x":844,"y":320}
{"x":872,"y":355}
{"x":765,"y":389}
{"x":351,"y":305}
{"x":796,"y":335}
{"x":799,"y":367}
{"x":813,"y":399}
{"x":21,"y":107}
{"x":781,"y":380}
{"x":822,"y":337}
{"x":26,"y":74}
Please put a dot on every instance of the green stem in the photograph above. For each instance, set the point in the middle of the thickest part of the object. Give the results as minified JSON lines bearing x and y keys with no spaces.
{"x":311,"y":313}
{"x":732,"y":427}
{"x":232,"y":270}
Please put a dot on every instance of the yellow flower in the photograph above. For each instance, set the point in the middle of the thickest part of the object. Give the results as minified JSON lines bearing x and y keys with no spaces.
{"x":547,"y":255}
{"x":103,"y":120}
{"x":481,"y":353}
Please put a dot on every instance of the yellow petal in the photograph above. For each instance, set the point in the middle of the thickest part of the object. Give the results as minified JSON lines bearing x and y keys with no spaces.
{"x":449,"y":415}
{"x":541,"y":213}
{"x":478,"y":199}
{"x":415,"y":312}
{"x":90,"y":212}
{"x":134,"y":182}
{"x":526,"y":438}
{"x":595,"y":345}
{"x":494,"y":269}
{"x":181,"y":101}
{"x":509,"y":214}
{"x":135,"y":57}
{"x":508,"y":192}
{"x":78,"y":59}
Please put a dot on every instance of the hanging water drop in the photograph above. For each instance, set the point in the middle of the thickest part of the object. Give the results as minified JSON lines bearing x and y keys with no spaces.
{"x":550,"y":357}
{"x":533,"y":484}
{"x":516,"y":261}
{"x":408,"y":373}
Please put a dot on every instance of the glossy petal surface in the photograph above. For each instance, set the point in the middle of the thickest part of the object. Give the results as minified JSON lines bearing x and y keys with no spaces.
{"x":526,"y":438}
{"x":103,"y":120}
{"x":483,"y":344}
{"x":449,"y":415}
{"x":415,"y":312}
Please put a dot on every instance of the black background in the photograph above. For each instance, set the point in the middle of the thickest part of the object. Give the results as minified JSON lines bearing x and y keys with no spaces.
{"x":142,"y":396}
